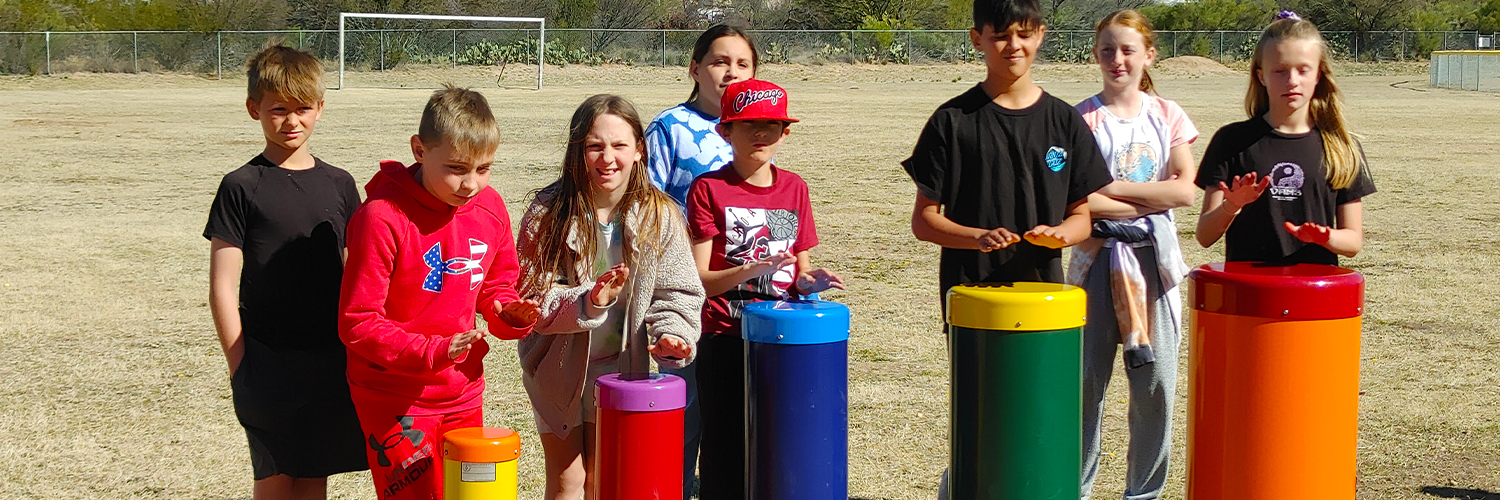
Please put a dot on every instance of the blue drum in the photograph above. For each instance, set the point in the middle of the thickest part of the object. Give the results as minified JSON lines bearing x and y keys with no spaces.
{"x":797,"y":371}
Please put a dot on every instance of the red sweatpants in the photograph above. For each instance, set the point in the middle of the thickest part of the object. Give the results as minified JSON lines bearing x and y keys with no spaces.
{"x":405,"y":451}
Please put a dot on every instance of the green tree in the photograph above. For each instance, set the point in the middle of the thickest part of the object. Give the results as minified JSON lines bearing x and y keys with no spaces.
{"x":1211,"y":14}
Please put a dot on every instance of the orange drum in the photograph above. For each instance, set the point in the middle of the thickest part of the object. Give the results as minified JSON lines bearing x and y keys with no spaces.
{"x":1274,"y":363}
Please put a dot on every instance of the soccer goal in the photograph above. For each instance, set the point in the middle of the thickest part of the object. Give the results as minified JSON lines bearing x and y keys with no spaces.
{"x":435,"y":42}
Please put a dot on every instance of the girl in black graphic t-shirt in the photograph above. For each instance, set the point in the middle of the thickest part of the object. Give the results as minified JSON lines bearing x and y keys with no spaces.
{"x":1285,"y":185}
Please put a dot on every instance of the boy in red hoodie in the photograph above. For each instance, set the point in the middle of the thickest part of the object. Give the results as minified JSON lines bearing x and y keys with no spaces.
{"x":430,"y":247}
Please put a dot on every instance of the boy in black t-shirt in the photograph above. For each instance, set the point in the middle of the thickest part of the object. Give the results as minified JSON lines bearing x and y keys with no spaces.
{"x":276,"y":231}
{"x":1003,"y":171}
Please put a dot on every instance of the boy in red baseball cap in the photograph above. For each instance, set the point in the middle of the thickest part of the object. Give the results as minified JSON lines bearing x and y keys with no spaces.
{"x":752,"y":228}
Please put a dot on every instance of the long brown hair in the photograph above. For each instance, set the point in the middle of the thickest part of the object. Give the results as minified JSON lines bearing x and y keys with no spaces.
{"x":706,"y":41}
{"x":1132,"y":19}
{"x":569,"y":204}
{"x":1341,"y":156}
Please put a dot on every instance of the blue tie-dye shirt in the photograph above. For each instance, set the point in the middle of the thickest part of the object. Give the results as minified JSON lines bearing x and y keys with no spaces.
{"x":683,"y":145}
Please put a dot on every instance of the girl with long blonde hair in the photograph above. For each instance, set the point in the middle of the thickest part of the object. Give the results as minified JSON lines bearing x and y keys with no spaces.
{"x":1285,"y":186}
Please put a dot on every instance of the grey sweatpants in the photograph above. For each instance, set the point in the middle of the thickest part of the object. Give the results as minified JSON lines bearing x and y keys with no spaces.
{"x":1152,"y":387}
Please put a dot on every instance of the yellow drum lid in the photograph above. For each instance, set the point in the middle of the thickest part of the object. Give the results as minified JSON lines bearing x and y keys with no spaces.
{"x":1022,"y":306}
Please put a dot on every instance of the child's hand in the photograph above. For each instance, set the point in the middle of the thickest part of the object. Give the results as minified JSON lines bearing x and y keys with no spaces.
{"x":818,"y":280}
{"x":520,"y":313}
{"x":1309,"y":233}
{"x":1244,"y":191}
{"x":996,"y":239}
{"x":772,"y":264}
{"x":609,"y":285}
{"x":1048,"y":236}
{"x":463,"y":342}
{"x":670,"y":347}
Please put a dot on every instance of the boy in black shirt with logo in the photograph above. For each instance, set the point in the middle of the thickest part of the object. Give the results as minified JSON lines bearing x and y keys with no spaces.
{"x":1004,"y":171}
{"x":276,"y":239}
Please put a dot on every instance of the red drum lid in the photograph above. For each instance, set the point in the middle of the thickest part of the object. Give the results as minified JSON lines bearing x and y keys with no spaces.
{"x":1292,"y":292}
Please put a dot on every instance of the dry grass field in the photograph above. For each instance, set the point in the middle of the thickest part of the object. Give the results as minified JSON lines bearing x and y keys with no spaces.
{"x":112,"y":384}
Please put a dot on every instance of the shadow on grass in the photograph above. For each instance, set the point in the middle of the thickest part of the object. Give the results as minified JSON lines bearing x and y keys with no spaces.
{"x":1460,"y":493}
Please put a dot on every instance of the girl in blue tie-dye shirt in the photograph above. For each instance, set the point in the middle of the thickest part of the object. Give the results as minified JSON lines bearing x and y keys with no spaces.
{"x":681,"y":144}
{"x":681,"y":141}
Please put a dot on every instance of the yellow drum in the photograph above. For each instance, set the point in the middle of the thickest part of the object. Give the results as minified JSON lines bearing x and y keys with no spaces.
{"x":479,"y":463}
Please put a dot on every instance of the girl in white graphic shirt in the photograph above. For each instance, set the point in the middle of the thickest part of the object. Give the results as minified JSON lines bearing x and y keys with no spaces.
{"x":1133,"y":264}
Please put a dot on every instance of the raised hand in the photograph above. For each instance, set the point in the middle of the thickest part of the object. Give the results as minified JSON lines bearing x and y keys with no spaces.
{"x":996,"y":239}
{"x":520,"y":313}
{"x":670,"y":347}
{"x":463,"y":342}
{"x":1244,"y":189}
{"x":818,"y":280}
{"x":609,"y":285}
{"x":773,"y":263}
{"x":1309,"y":233}
{"x":1048,"y":236}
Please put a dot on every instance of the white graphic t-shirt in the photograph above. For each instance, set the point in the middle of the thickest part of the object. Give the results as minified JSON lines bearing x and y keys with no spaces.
{"x":1137,"y":147}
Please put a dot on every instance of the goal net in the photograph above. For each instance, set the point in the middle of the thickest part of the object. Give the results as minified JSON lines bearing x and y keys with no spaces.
{"x":426,"y":51}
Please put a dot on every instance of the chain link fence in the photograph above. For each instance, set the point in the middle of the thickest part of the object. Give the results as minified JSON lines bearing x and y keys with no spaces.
{"x":1466,"y":70}
{"x":383,"y":49}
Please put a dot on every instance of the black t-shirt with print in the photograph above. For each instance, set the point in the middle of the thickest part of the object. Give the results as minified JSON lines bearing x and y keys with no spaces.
{"x":991,"y":167}
{"x":289,"y":224}
{"x":1299,"y":191}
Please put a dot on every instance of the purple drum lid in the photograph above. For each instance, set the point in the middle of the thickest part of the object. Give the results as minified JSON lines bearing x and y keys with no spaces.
{"x":659,"y":392}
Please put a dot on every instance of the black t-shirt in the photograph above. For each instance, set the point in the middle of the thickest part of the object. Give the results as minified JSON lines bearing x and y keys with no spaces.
{"x":290,"y":226}
{"x":1299,"y":191}
{"x":991,"y":167}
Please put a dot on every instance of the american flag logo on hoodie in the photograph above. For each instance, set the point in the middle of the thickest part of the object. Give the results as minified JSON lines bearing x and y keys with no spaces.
{"x":458,"y":265}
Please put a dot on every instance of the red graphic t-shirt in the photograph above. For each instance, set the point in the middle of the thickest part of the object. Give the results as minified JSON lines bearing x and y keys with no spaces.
{"x":749,"y":223}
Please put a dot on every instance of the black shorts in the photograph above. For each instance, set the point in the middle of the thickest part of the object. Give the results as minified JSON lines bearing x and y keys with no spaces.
{"x":297,"y":414}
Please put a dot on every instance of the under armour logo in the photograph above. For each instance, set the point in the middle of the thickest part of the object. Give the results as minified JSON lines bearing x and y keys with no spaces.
{"x":458,"y":265}
{"x":413,"y":436}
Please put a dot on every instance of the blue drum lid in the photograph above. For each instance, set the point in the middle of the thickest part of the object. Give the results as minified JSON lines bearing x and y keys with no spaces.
{"x":796,"y":322}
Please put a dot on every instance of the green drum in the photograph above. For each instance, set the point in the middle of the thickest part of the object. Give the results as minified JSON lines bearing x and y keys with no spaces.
{"x":1016,"y":415}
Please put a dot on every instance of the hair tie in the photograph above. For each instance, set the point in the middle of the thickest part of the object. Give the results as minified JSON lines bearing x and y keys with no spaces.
{"x":1287,"y":14}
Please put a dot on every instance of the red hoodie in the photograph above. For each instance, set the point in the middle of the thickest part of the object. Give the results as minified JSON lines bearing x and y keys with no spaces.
{"x":418,"y":270}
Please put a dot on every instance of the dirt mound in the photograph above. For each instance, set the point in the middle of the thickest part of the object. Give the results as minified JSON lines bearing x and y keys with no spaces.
{"x":1192,"y":66}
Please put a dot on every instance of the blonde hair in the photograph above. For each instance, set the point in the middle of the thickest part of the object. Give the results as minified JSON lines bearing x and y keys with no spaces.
{"x":461,"y":117}
{"x":569,"y":203}
{"x":285,"y":71}
{"x":1132,"y":19}
{"x":1341,"y":157}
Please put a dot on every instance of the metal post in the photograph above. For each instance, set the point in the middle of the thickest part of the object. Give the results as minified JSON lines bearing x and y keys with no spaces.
{"x":219,"y":72}
{"x":301,"y":39}
{"x":1445,"y":40}
{"x":455,"y":49}
{"x":135,"y":53}
{"x":341,"y":51}
{"x":663,"y":48}
{"x":1355,"y":36}
{"x":1222,"y":56}
{"x":908,"y":47}
{"x":382,"y":49}
{"x":1174,"y":44}
{"x":49,"y":52}
{"x":541,"y":53}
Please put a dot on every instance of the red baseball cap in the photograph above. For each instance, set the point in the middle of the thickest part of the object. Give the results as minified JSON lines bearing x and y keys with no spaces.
{"x":753,"y":100}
